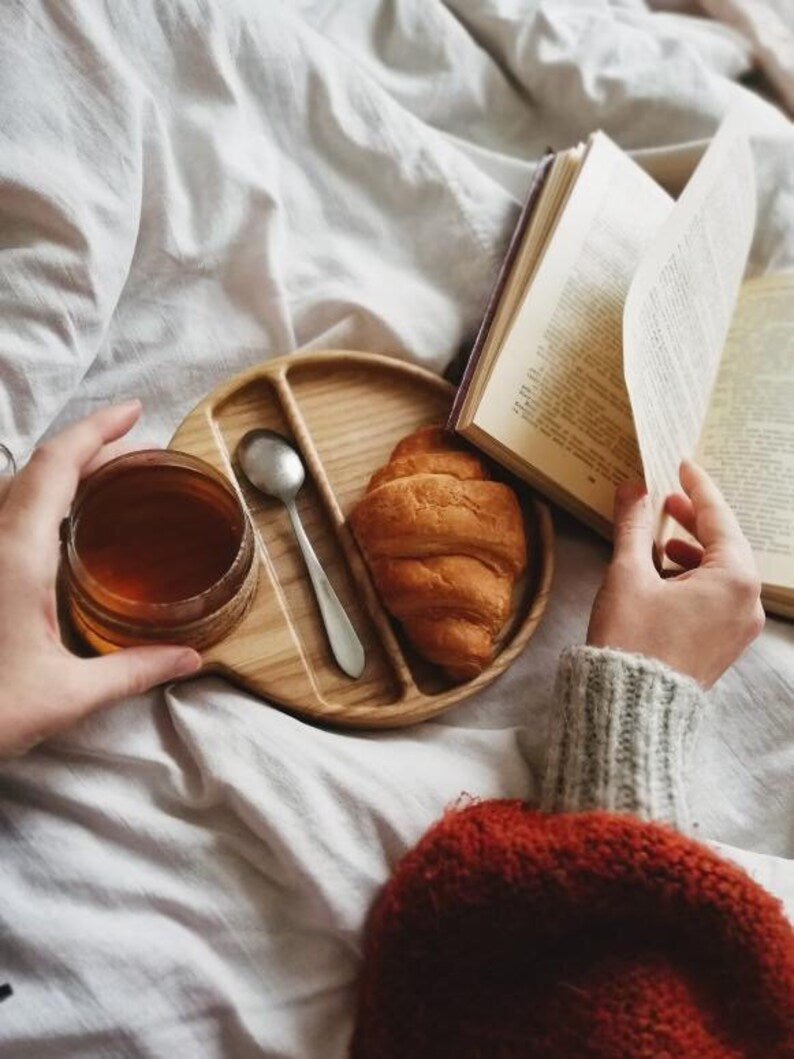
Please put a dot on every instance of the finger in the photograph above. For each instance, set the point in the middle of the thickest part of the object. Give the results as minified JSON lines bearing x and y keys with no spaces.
{"x":680,"y":508}
{"x":113,"y":450}
{"x":683,"y":553}
{"x":633,"y":527}
{"x":716,"y":526}
{"x":40,"y":494}
{"x":131,"y":672}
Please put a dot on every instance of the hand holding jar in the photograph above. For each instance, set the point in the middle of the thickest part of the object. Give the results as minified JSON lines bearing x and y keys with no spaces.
{"x":44,"y":688}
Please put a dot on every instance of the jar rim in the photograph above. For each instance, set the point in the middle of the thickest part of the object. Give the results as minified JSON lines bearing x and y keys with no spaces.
{"x":132,"y":609}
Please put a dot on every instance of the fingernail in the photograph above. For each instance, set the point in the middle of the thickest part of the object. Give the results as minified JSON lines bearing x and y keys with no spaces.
{"x":189,"y":661}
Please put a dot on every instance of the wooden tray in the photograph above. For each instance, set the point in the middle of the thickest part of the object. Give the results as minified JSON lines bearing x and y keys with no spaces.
{"x":345,"y":412}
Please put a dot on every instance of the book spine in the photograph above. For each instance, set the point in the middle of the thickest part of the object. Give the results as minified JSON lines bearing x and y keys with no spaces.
{"x":535,"y":188}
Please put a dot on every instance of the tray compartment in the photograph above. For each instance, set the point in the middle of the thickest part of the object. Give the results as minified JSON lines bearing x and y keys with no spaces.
{"x":382,"y":405}
{"x":257,"y":404}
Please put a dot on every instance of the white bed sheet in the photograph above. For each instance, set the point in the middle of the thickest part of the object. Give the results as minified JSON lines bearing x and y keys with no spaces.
{"x":186,"y":189}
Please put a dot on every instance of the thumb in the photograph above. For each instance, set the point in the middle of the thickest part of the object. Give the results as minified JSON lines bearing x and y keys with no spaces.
{"x":633,"y":527}
{"x":132,"y":671}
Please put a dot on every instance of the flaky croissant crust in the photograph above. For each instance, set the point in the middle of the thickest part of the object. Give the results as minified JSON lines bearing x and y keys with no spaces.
{"x":445,"y":544}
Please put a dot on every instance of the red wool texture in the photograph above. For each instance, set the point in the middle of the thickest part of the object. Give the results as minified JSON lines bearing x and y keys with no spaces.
{"x":509,"y":933}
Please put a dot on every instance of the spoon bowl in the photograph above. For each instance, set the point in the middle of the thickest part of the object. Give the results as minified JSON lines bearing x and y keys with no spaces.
{"x":271,"y":464}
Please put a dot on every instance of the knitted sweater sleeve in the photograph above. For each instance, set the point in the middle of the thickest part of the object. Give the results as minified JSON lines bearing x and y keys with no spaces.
{"x":621,"y":731}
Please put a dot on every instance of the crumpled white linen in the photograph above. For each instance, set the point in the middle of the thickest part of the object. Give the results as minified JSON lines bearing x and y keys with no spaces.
{"x":187,"y":189}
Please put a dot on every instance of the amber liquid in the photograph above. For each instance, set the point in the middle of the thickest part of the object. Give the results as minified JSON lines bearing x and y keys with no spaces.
{"x":158,"y":534}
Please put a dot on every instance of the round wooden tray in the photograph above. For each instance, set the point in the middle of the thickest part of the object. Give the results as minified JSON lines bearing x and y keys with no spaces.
{"x":345,"y":412}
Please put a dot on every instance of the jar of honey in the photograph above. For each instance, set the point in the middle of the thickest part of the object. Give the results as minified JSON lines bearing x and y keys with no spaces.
{"x":157,"y":549}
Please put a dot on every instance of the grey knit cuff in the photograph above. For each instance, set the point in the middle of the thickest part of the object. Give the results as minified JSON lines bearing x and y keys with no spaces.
{"x":621,"y":734}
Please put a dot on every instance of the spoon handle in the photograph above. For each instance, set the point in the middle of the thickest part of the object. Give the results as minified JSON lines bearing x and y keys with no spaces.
{"x":344,"y":641}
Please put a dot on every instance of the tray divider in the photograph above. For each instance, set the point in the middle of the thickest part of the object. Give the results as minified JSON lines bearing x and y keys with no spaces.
{"x":350,"y":550}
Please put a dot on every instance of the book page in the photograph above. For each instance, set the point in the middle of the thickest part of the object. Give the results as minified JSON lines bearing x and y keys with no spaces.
{"x":542,"y":210}
{"x":565,"y":168}
{"x":556,"y":397}
{"x":680,"y":303}
{"x":748,"y":439}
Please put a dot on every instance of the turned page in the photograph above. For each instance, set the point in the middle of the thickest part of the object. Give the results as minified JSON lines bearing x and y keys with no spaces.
{"x":748,"y":440}
{"x":680,"y":304}
{"x":556,"y":397}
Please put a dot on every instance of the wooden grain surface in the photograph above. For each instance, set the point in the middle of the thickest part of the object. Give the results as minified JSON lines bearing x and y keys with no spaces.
{"x":344,"y":411}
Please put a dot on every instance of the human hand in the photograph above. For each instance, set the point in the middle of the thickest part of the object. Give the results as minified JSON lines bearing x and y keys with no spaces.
{"x":44,"y":688}
{"x":699,"y":621}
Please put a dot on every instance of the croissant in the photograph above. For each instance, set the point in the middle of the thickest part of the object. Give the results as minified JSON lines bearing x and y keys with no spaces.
{"x":445,"y":545}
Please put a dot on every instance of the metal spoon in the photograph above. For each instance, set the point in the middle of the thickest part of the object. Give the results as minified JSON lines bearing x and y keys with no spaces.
{"x":273,"y":466}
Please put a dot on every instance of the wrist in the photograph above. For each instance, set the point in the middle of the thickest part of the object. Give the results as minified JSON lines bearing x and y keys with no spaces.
{"x":640,"y":650}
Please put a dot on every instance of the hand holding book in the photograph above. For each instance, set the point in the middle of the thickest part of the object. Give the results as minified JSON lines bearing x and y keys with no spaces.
{"x":620,"y":344}
{"x":698,"y":623}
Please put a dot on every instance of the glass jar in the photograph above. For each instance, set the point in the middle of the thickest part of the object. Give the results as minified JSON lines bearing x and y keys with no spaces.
{"x":157,"y":549}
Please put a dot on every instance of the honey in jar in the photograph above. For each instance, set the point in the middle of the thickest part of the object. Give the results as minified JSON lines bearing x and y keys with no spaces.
{"x":158,"y":549}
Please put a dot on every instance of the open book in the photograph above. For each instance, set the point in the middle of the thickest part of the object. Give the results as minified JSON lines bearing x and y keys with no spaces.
{"x":620,"y":339}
